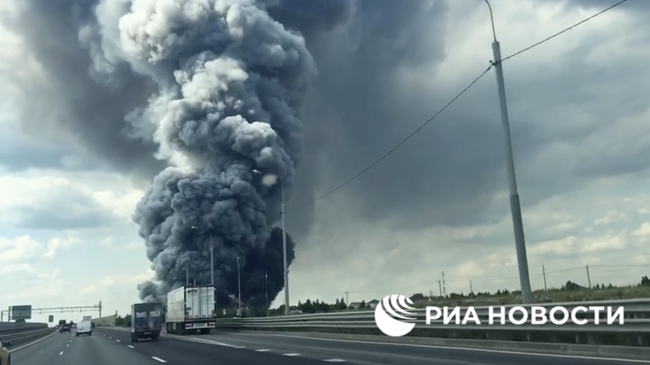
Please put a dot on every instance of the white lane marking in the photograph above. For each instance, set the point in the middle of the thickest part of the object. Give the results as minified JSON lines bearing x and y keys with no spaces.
{"x":291,"y":354}
{"x":67,"y":344}
{"x":131,"y":346}
{"x":110,"y":337}
{"x":334,"y":360}
{"x":31,"y":343}
{"x":118,"y":340}
{"x":158,"y":359}
{"x":60,"y":353}
{"x":263,"y":350}
{"x":201,"y":340}
{"x":469,"y":349}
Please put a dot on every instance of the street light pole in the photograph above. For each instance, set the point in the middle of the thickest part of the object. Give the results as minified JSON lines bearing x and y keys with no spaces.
{"x":284,"y":248}
{"x":515,"y":206}
{"x":211,"y":254}
{"x":266,"y":279}
{"x":187,"y":276}
{"x":214,"y":289}
{"x":239,"y":285}
{"x":284,"y":255}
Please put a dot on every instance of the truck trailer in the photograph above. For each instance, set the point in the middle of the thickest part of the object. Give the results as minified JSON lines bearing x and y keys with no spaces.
{"x":190,"y":309}
{"x":146,"y":321}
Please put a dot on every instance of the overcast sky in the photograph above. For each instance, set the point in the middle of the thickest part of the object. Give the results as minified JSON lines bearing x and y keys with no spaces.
{"x":579,"y":118}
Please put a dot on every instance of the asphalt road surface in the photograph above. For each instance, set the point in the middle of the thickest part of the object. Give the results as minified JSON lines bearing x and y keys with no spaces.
{"x":366,"y":353}
{"x":113,"y":346}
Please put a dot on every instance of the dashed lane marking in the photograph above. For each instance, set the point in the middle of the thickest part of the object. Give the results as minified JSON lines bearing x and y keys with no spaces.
{"x":118,"y":340}
{"x":131,"y":346}
{"x":158,"y":359}
{"x":263,"y":350}
{"x":291,"y":354}
{"x":209,"y":342}
{"x":60,"y":353}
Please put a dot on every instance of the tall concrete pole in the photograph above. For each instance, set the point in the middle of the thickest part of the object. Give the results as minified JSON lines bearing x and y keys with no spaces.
{"x":287,"y":304}
{"x":515,"y":206}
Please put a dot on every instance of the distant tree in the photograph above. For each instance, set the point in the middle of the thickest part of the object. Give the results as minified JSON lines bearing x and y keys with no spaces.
{"x":418,"y":297}
{"x":571,"y":286}
{"x":342,"y":304}
{"x":645,"y":281}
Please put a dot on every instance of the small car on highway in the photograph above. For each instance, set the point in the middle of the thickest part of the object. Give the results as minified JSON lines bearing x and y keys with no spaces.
{"x":64,"y":328}
{"x":5,"y":356}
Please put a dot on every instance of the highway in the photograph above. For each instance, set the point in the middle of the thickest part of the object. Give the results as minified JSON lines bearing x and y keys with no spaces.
{"x":366,"y":353}
{"x":109,"y":346}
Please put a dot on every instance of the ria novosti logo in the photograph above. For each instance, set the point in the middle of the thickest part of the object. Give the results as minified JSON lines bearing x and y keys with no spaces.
{"x":389,"y":321}
{"x":396,"y":317}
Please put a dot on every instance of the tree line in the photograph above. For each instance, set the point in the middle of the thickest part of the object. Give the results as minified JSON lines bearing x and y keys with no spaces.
{"x":319,"y":306}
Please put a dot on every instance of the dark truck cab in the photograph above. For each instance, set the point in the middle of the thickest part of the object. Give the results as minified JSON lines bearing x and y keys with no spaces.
{"x":146,"y":321}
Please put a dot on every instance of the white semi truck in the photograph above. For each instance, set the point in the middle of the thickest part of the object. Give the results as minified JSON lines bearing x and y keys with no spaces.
{"x":190,"y":309}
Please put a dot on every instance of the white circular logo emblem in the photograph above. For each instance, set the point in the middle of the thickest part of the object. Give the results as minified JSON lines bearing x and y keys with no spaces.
{"x":392,"y":313}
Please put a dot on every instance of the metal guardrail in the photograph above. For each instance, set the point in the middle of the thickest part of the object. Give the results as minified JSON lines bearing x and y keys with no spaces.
{"x":11,"y":327}
{"x":634,"y":332}
{"x":26,"y":336}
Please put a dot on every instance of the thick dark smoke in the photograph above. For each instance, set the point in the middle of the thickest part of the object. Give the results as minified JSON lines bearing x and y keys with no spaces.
{"x":212,"y":89}
{"x":231,"y":81}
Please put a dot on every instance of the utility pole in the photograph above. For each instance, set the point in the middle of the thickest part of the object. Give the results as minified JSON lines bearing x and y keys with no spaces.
{"x":211,"y":256}
{"x":347,"y":303}
{"x":440,"y":287}
{"x":287,"y":306}
{"x":515,"y":206}
{"x":239,"y":285}
{"x":266,"y":279}
{"x":444,"y":285}
{"x":544,"y":275}
{"x":284,"y":255}
{"x":588,"y":276}
{"x":471,"y":287}
{"x":211,"y":262}
{"x":187,"y":276}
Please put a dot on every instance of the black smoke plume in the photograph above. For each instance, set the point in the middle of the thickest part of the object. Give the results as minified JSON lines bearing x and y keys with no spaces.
{"x":212,"y":89}
{"x":230,"y":82}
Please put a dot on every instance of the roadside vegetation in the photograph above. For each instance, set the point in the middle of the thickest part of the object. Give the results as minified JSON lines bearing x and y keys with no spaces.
{"x":569,"y":292}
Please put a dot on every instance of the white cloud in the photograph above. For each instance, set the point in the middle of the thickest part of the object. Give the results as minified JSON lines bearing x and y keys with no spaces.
{"x":102,"y":263}
{"x":18,"y":249}
{"x":105,"y":284}
{"x":643,"y":232}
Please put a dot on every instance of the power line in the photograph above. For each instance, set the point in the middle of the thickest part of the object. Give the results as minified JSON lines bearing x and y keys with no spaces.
{"x":563,"y":31}
{"x":399,"y":144}
{"x":449,"y":104}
